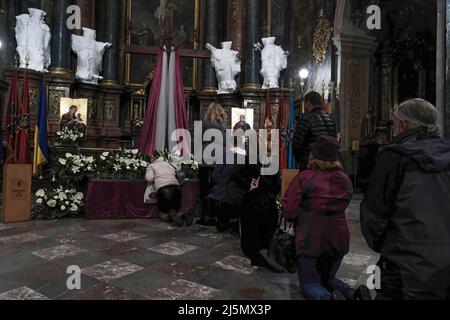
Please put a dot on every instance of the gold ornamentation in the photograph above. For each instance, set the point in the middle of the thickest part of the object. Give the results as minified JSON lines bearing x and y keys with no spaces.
{"x":110,"y":113}
{"x":54,"y":102}
{"x":143,"y":90}
{"x":321,"y":37}
{"x":33,"y":94}
{"x":92,"y":109}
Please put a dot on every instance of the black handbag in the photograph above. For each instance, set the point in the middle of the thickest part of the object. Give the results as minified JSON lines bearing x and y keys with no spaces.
{"x":282,"y":248}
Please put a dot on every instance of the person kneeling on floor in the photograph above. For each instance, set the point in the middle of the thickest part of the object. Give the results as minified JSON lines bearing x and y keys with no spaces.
{"x":163,"y":176}
{"x":317,"y":200}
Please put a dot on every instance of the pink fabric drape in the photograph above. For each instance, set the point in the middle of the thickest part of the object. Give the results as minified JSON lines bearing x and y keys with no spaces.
{"x":181,"y":119}
{"x":148,"y":135}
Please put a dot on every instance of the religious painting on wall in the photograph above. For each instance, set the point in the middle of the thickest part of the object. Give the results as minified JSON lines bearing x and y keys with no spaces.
{"x":139,"y":66}
{"x":74,"y":114}
{"x":151,"y":21}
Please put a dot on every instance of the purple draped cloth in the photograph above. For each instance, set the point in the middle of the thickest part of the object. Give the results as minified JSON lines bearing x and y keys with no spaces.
{"x":148,"y":135}
{"x":108,"y":199}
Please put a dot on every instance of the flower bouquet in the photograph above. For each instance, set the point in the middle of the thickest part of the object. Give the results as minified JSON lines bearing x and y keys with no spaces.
{"x":122,"y":164}
{"x":58,"y":203}
{"x":68,"y":136}
{"x":76,"y":168}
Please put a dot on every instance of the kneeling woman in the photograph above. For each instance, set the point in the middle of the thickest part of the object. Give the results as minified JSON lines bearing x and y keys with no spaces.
{"x":317,"y":200}
{"x":163,"y":176}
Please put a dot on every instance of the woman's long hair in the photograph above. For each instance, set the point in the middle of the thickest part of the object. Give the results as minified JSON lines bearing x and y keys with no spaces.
{"x":315,"y":164}
{"x":215,"y":113}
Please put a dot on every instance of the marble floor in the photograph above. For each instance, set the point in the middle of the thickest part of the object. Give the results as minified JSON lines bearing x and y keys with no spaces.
{"x":143,"y":259}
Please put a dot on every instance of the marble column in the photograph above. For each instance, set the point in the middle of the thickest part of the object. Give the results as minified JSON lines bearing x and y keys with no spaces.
{"x":252,"y":65}
{"x":441,"y":61}
{"x":60,"y":38}
{"x":25,"y":4}
{"x":13,"y":9}
{"x":447,"y":85}
{"x":354,"y":53}
{"x":212,"y":37}
{"x":108,"y":27}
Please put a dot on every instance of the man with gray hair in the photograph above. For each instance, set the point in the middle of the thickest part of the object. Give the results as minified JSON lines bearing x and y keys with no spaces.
{"x":405,"y":215}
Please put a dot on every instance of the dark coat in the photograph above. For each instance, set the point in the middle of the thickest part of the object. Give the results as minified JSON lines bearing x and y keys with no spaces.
{"x":259,"y":215}
{"x":317,"y":201}
{"x":229,"y":185}
{"x":405,"y":216}
{"x":313,"y":125}
{"x":208,"y":125}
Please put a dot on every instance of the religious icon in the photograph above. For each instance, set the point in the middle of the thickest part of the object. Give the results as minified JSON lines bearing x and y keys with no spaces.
{"x":242,"y":119}
{"x":74,"y":113}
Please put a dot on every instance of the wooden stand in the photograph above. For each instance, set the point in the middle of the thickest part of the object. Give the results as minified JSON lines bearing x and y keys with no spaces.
{"x":287,"y":176}
{"x":16,"y":193}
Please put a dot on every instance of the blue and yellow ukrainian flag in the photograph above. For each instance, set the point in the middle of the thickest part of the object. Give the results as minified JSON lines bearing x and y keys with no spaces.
{"x":41,"y":156}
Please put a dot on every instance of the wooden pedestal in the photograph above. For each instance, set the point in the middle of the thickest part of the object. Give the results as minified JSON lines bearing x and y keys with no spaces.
{"x":287,"y":176}
{"x":16,"y":193}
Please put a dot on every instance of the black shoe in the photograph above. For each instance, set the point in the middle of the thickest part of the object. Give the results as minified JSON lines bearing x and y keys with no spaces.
{"x":206,"y":222}
{"x":363,"y":293}
{"x":178,"y":219}
{"x":189,"y":218}
{"x":338,"y":296}
{"x":274,"y":266}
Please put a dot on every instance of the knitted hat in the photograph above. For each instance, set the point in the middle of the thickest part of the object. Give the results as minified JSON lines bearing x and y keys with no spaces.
{"x":326,"y":149}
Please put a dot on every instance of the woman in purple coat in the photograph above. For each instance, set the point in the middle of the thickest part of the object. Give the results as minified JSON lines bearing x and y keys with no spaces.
{"x":317,"y":200}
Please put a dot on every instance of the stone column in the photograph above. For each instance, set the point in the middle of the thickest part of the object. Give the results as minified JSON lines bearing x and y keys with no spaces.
{"x":13,"y":9}
{"x":25,"y":4}
{"x":447,"y":85}
{"x":108,"y":31}
{"x":252,"y":65}
{"x":441,"y":60}
{"x":61,"y":42}
{"x":212,"y":37}
{"x":353,"y":77}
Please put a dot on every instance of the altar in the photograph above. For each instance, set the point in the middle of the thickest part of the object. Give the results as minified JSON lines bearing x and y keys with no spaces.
{"x":112,"y":199}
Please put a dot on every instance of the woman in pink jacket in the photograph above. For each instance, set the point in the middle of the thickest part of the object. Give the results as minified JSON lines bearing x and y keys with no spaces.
{"x":316,"y":201}
{"x":163,"y":176}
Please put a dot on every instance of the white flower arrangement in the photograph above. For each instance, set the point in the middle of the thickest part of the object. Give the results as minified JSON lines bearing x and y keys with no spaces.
{"x":68,"y":135}
{"x":77,"y":167}
{"x":123,"y":164}
{"x":58,"y":203}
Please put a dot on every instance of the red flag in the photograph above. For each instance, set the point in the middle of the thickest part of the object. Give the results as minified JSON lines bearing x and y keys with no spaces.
{"x":11,"y":115}
{"x":281,"y":121}
{"x":268,"y":123}
{"x":281,"y":125}
{"x":22,"y":147}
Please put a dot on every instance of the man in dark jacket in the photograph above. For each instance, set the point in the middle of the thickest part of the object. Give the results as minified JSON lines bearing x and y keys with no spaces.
{"x":315,"y":123}
{"x":405,"y":215}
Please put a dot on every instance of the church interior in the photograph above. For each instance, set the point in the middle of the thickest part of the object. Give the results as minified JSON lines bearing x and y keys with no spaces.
{"x":107,"y":65}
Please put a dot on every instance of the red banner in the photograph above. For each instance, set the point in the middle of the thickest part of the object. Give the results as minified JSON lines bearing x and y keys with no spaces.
{"x":11,"y":116}
{"x":22,"y":148}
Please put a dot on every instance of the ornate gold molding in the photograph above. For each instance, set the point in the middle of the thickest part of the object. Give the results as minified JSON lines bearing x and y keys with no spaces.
{"x":63,"y":71}
{"x":321,"y":37}
{"x":252,"y":86}
{"x":114,"y":83}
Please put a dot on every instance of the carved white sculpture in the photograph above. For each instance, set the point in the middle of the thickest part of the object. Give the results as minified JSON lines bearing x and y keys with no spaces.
{"x":227,"y":64}
{"x":274,"y":60}
{"x":33,"y":40}
{"x":90,"y":56}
